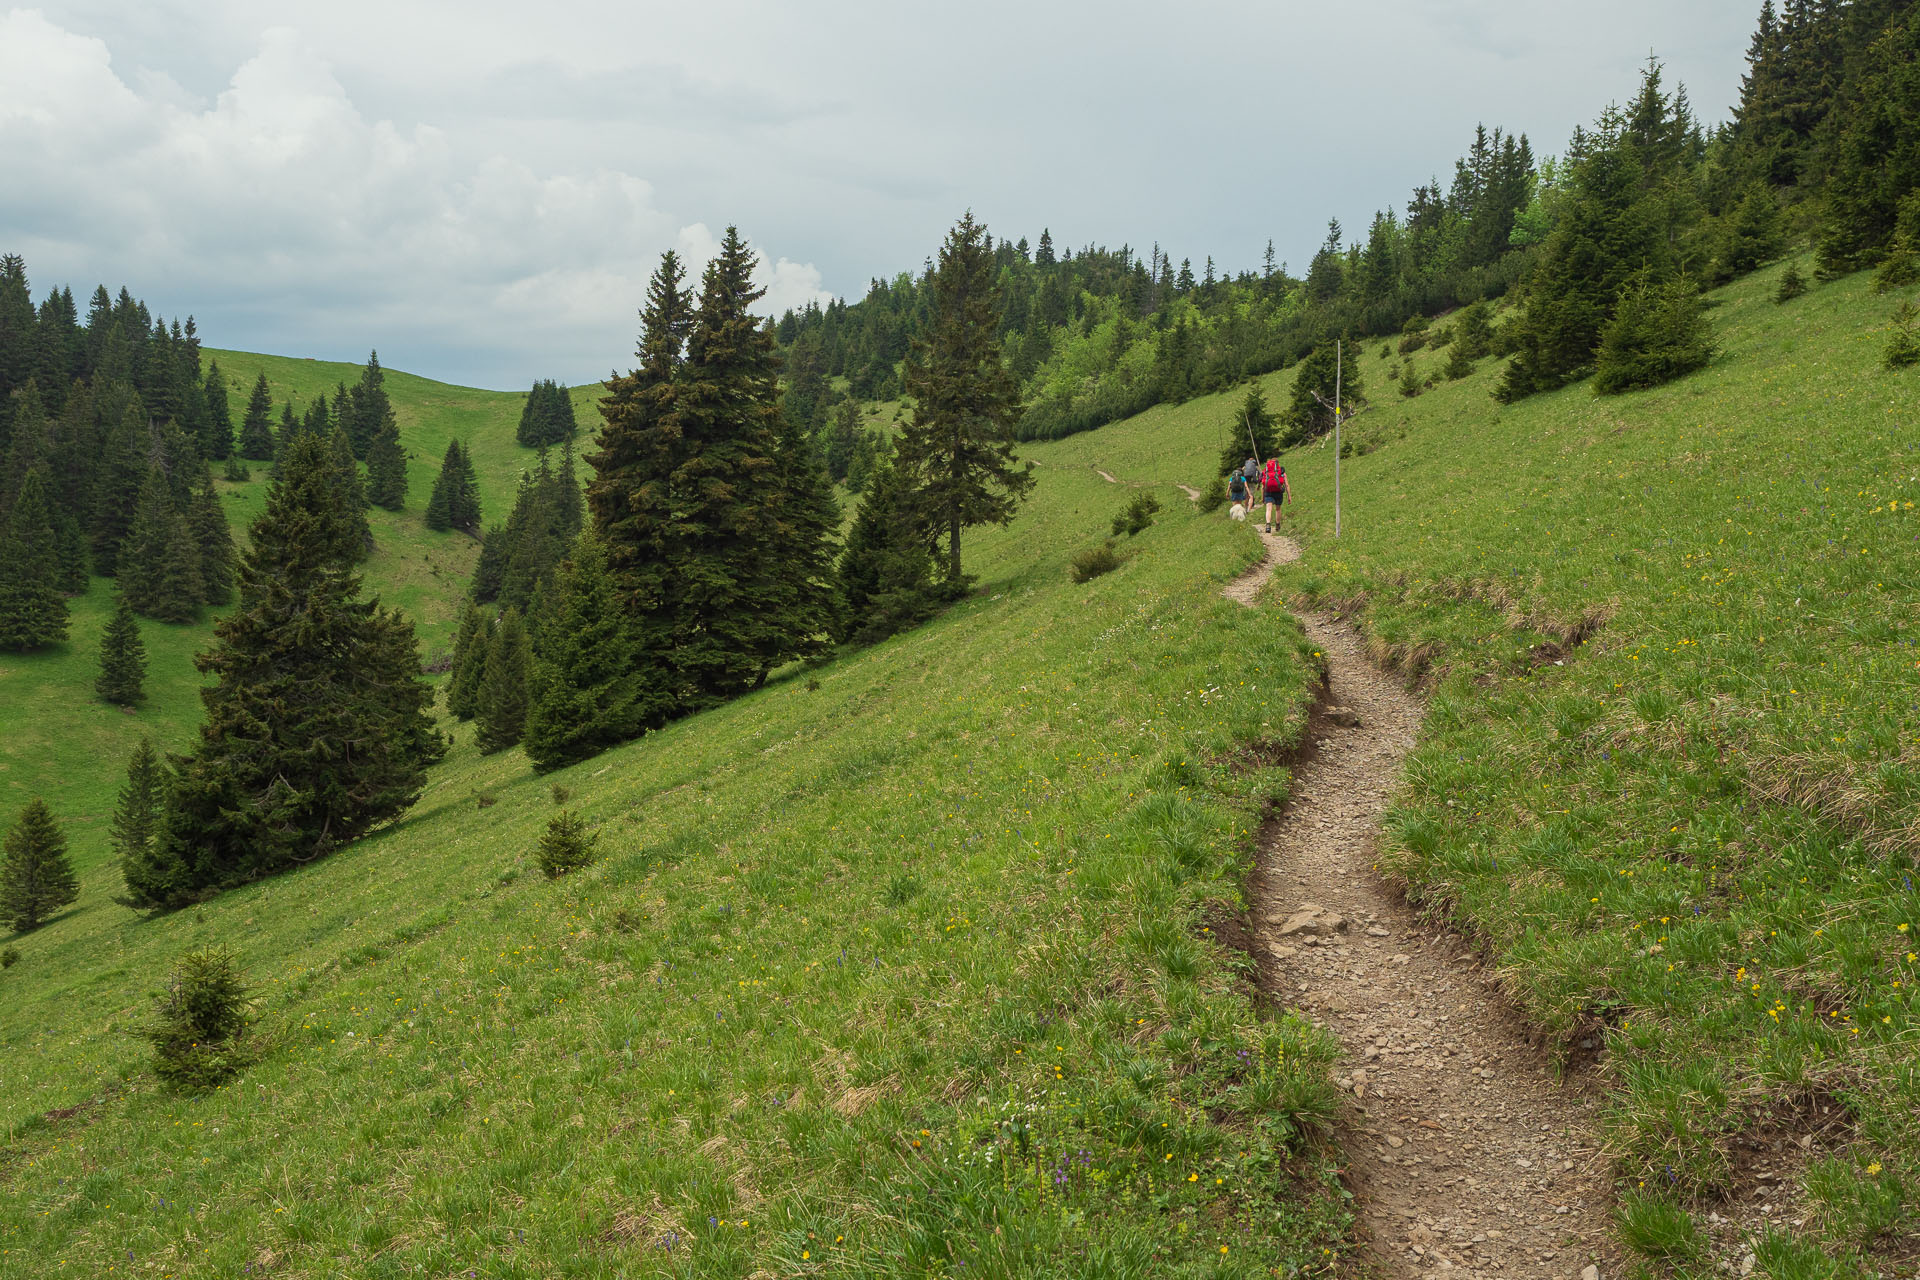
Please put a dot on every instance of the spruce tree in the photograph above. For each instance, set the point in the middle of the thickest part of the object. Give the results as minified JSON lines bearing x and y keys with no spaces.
{"x":366,"y":410}
{"x":640,"y":453}
{"x":317,"y":722}
{"x":256,"y":428}
{"x":842,"y":437}
{"x":214,"y":539}
{"x":886,"y":569}
{"x":593,"y":688}
{"x":216,"y":426}
{"x":455,"y":502}
{"x":136,"y":818}
{"x":160,"y":561}
{"x":1658,"y":333}
{"x":386,"y":466}
{"x":127,"y":458}
{"x":123,"y":658}
{"x":469,"y":663}
{"x":33,"y":610}
{"x":1314,"y":387}
{"x":36,"y":879}
{"x":957,"y":451}
{"x":504,"y":692}
{"x":348,"y":491}
{"x":800,"y":589}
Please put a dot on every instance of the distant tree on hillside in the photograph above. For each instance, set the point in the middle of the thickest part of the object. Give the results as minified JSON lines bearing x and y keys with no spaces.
{"x":123,"y":658}
{"x":469,"y":663}
{"x":365,"y":409}
{"x":348,"y":492}
{"x":36,"y":879}
{"x":455,"y":501}
{"x":214,"y":539}
{"x":317,"y":724}
{"x":33,"y":612}
{"x":1876,"y":150}
{"x":546,"y":417}
{"x":136,"y":816}
{"x":957,"y":450}
{"x":504,"y":692}
{"x":256,"y":428}
{"x":160,"y":561}
{"x":122,"y":475}
{"x":387,"y":466}
{"x":216,"y":437}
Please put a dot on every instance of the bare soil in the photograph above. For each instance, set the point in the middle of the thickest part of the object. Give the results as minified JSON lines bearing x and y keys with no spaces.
{"x":1472,"y":1154}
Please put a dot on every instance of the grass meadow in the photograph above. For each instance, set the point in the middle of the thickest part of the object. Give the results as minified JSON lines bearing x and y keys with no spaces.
{"x":903,"y":965}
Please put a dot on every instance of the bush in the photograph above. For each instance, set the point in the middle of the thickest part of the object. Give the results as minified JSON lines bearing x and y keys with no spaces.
{"x":1475,"y":327}
{"x":1792,"y":285}
{"x":200,"y":1021}
{"x":1137,"y":515}
{"x":1094,"y":561}
{"x":1903,"y":338}
{"x":1214,"y":496}
{"x":1409,"y":381}
{"x":9,"y":957}
{"x":1459,"y":364}
{"x":236,"y":472}
{"x":1659,"y":333}
{"x":567,"y":846}
{"x":1900,"y":268}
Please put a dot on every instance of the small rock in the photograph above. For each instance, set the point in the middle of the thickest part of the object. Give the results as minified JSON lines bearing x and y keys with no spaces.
{"x":1524,"y":1163}
{"x":1311,"y":919}
{"x":1746,"y":1265}
{"x":1375,"y":931}
{"x":1396,"y":1143}
{"x":1589,"y":1272}
{"x":1346,"y":717}
{"x":1285,"y":953}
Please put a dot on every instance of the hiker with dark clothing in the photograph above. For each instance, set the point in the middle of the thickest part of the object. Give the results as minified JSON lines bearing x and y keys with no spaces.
{"x":1273,"y":483}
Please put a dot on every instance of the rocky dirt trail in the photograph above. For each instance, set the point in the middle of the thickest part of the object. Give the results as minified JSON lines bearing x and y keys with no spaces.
{"x":1471,"y":1157}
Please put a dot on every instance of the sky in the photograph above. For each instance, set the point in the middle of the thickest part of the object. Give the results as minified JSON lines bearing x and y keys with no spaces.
{"x":479,"y":190}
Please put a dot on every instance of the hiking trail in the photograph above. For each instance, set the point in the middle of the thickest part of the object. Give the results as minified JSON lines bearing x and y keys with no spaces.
{"x":1469,"y":1158}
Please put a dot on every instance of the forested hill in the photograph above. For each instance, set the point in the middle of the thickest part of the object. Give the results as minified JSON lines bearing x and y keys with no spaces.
{"x":1820,"y":143}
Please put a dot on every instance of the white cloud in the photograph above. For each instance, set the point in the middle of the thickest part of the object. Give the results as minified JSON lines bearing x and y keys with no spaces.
{"x":283,"y":201}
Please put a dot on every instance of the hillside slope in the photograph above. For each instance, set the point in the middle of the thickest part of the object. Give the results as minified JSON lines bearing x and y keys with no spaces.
{"x":1672,"y":765}
{"x":903,"y":965}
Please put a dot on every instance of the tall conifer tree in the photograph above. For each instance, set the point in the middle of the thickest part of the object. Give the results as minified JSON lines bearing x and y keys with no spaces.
{"x":123,"y":658}
{"x":136,"y":817}
{"x":317,"y":726}
{"x":591,"y":685}
{"x":214,"y":540}
{"x":33,"y":612}
{"x":957,"y":451}
{"x":386,"y":466}
{"x":216,"y":441}
{"x":256,"y":427}
{"x":455,"y":501}
{"x":128,"y":457}
{"x":469,"y":663}
{"x":504,"y":692}
{"x":160,"y":561}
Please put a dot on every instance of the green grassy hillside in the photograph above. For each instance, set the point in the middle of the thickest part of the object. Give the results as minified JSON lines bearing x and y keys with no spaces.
{"x":904,"y":965}
{"x":58,"y":742}
{"x":1692,"y":835}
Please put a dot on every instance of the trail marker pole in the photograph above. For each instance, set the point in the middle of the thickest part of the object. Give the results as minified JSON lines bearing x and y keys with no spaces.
{"x":1337,"y":369}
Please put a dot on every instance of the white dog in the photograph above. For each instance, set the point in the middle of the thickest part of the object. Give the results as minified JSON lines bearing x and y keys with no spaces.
{"x":1238,"y":511}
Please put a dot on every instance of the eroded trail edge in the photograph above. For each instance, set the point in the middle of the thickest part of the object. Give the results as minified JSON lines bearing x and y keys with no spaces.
{"x":1470,"y":1156}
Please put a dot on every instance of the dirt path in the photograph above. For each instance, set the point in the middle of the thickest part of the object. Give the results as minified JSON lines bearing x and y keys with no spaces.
{"x":1470,"y":1159}
{"x":1193,"y":494}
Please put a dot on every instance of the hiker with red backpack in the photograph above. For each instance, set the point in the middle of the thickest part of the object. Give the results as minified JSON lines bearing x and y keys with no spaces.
{"x":1273,"y":483}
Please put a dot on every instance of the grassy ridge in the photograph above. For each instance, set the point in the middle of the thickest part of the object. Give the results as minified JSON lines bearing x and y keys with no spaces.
{"x":1693,"y":834}
{"x":909,"y":970}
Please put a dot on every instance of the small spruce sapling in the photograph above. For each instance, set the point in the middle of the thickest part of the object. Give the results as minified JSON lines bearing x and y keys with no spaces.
{"x":200,"y":1023}
{"x":1136,"y":516}
{"x":1903,"y":338}
{"x":567,"y":845}
{"x":1792,"y":285}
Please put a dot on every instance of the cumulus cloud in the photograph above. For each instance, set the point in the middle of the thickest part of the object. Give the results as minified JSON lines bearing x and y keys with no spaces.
{"x":280,"y":208}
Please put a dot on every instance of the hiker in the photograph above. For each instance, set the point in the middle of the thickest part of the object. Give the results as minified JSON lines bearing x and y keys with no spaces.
{"x":1274,"y":485}
{"x":1237,"y":487}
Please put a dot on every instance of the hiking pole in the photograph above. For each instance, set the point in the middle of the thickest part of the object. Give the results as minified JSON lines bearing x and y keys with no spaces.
{"x":1336,"y":435}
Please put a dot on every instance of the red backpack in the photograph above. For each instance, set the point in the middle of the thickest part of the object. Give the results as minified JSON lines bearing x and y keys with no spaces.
{"x":1275,"y":478}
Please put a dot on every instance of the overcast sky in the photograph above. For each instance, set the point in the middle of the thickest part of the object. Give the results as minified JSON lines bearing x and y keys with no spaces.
{"x":479,"y":189}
